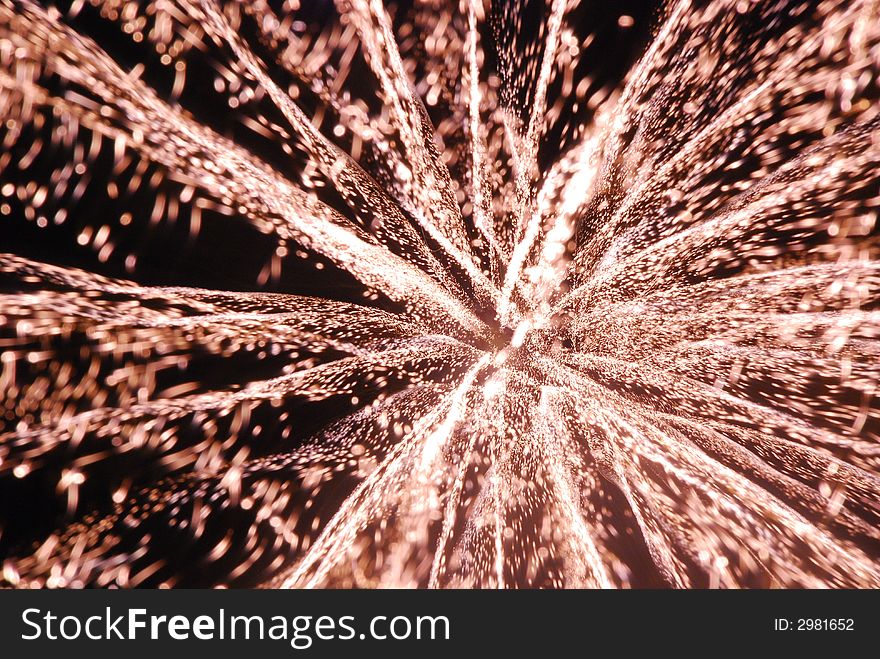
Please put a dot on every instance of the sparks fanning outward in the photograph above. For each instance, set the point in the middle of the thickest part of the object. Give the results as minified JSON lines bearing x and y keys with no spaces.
{"x":571,"y":335}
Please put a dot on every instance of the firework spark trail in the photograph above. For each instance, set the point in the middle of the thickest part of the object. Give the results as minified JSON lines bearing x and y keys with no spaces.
{"x":408,"y":471}
{"x":193,"y":153}
{"x":482,"y":196}
{"x":653,"y":360}
{"x":525,"y":164}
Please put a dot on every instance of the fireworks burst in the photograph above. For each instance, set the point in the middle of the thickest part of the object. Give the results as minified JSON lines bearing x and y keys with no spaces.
{"x":509,"y":324}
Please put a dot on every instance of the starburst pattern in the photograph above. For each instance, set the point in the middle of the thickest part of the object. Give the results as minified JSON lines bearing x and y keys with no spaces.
{"x":571,"y":333}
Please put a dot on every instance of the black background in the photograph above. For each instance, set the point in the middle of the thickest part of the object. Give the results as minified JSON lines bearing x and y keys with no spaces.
{"x":493,"y":623}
